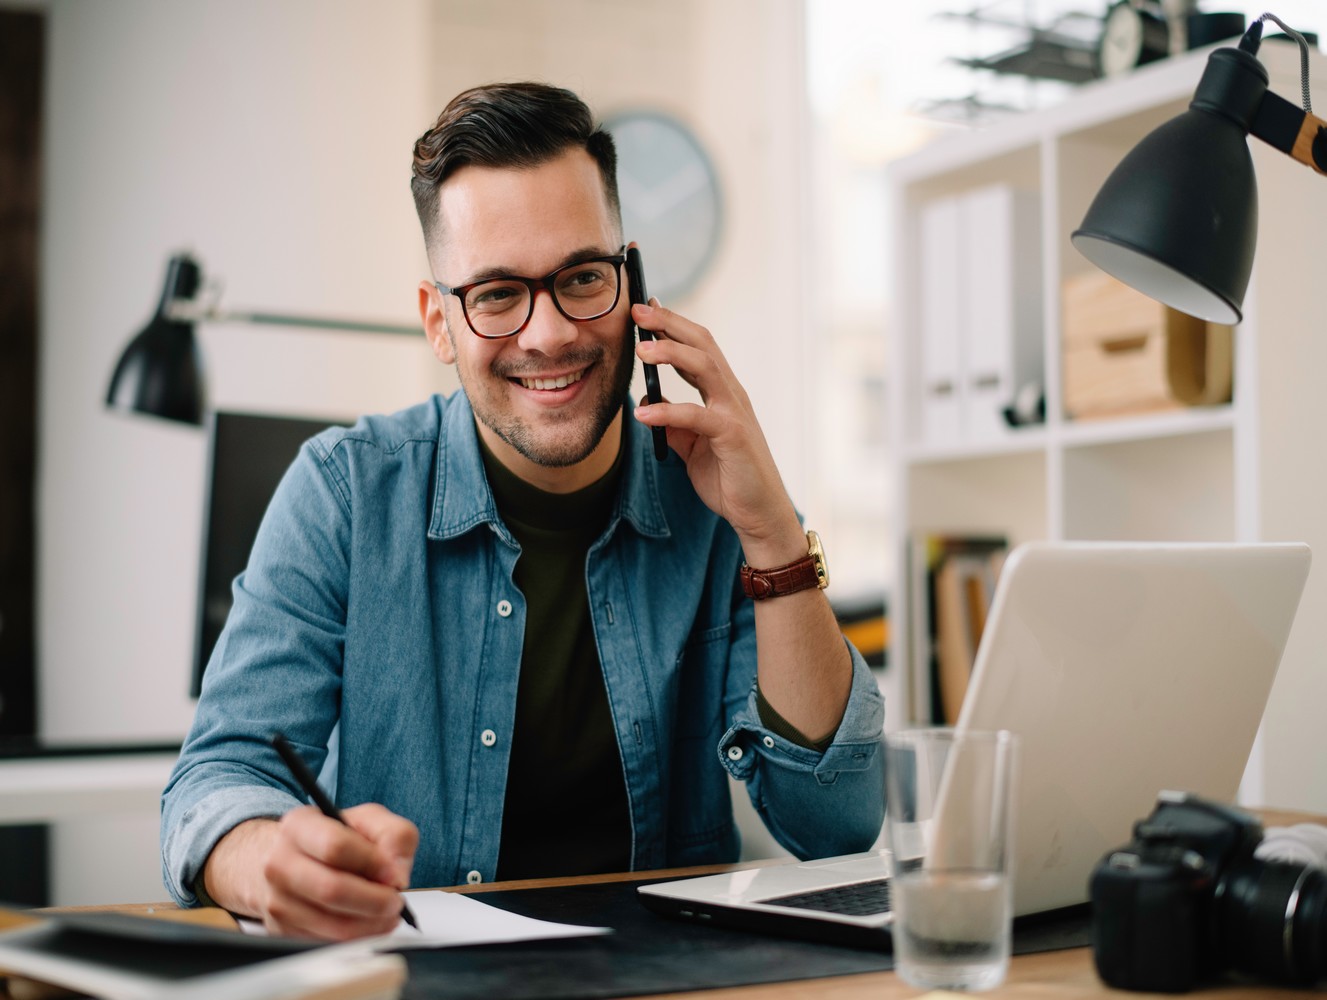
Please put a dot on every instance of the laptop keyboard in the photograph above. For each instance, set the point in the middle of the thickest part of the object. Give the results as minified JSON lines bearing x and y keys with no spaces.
{"x":860,"y":899}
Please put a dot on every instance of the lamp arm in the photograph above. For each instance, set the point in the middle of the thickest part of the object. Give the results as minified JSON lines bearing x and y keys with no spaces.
{"x":193,"y":311}
{"x":1296,"y":132}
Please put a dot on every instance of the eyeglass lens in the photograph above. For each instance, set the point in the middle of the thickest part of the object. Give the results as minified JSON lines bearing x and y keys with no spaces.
{"x":583,"y":291}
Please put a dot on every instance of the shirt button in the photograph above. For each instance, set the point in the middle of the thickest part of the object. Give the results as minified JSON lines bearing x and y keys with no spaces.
{"x":769,"y":742}
{"x":734,"y":753}
{"x":504,"y":608}
{"x":474,"y":878}
{"x":488,"y":737}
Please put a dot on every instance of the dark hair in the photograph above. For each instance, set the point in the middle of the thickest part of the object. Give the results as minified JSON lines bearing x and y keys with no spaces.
{"x":506,"y":125}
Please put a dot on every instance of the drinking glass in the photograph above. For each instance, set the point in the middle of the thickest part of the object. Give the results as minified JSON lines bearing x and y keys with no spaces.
{"x":949,"y":826}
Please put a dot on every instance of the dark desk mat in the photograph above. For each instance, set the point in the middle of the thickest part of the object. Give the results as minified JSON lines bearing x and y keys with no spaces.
{"x":654,"y":954}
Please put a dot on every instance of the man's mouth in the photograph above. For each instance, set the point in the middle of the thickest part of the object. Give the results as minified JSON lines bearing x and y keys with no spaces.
{"x":556,"y":382}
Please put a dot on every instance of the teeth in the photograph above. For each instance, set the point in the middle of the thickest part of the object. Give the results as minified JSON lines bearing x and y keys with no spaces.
{"x":561,"y":382}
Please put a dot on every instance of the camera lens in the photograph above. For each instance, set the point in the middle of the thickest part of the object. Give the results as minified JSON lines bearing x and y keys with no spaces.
{"x":1273,"y":921}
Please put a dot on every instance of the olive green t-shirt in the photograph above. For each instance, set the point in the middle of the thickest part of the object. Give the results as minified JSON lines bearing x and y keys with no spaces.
{"x":566,"y":804}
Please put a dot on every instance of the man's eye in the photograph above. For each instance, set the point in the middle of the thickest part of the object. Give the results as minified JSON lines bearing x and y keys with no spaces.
{"x":582,"y":281}
{"x":493,"y":297}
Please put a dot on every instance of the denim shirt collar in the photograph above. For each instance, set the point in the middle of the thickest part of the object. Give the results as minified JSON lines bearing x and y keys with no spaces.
{"x":462,"y":498}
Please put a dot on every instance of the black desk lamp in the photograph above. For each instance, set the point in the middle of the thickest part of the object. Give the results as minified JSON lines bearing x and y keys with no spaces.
{"x":160,"y":372}
{"x":1178,"y":218}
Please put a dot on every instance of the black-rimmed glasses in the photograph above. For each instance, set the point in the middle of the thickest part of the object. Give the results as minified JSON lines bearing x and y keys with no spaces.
{"x":501,"y":307}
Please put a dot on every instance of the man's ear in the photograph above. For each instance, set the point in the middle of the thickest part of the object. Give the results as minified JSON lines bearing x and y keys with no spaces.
{"x":434,"y":317}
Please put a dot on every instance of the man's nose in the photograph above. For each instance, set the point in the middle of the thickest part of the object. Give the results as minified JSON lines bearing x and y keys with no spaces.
{"x":548,"y":330}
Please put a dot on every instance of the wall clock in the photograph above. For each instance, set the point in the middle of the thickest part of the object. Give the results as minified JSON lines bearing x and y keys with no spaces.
{"x":671,"y":201}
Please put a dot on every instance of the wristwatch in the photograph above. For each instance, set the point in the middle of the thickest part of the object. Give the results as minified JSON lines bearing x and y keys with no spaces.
{"x":801,"y":574}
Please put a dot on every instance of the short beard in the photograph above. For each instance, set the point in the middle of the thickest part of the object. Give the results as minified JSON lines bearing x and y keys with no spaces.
{"x":569,"y":451}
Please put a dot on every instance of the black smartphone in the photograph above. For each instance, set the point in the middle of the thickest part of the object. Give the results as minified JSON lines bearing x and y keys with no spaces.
{"x":637,"y":293}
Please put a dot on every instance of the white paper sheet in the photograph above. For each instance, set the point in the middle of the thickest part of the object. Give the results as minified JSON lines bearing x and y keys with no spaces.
{"x":449,"y":919}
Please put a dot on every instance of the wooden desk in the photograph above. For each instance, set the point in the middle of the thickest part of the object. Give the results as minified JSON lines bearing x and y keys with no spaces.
{"x":1058,"y":975}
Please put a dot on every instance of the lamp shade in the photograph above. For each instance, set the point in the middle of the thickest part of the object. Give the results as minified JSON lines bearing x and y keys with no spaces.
{"x":160,"y":372}
{"x":1178,"y":218}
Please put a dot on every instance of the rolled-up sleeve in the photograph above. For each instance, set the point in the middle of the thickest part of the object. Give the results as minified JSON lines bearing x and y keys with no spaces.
{"x":816,"y":804}
{"x":188,"y":841}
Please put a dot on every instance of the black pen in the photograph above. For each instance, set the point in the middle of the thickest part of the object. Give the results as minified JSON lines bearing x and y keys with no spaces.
{"x":310,"y":785}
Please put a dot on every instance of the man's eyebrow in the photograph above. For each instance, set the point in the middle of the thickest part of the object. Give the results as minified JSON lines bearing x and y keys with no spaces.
{"x":574,"y":257}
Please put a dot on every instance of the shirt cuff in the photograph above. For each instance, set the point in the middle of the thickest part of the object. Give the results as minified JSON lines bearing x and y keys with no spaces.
{"x":779,"y":726}
{"x":187,"y":842}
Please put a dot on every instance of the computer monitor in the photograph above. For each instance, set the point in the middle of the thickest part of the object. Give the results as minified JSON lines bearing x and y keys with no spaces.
{"x":248,"y":453}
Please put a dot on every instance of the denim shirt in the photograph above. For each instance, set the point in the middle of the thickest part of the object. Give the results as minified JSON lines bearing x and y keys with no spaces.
{"x":379,"y":596}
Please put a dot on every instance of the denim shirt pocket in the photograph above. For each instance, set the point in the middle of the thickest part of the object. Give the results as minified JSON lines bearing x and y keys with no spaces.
{"x":701,"y":670}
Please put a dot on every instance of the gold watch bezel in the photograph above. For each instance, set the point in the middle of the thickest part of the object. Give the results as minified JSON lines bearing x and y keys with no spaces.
{"x":817,"y":553}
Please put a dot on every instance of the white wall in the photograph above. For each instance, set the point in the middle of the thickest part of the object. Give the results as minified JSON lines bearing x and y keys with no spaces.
{"x":1292,"y":493}
{"x":273,"y":140}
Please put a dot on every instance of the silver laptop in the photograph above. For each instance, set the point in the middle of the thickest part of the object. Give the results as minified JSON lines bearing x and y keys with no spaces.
{"x":1125,"y":668}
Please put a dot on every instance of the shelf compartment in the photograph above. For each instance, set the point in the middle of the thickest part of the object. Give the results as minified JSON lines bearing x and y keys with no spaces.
{"x":1152,"y":489}
{"x":1003,"y":494}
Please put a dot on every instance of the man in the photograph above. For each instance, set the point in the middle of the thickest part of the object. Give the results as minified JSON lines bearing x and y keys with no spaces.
{"x":529,"y":635}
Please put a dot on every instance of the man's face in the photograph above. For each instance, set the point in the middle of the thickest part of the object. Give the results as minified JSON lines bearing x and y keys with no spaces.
{"x":528,"y":222}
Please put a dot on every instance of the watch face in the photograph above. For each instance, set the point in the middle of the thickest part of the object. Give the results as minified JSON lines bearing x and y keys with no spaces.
{"x":670,"y":197}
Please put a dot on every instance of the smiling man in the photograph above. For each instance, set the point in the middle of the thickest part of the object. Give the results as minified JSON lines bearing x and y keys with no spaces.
{"x":524,"y":646}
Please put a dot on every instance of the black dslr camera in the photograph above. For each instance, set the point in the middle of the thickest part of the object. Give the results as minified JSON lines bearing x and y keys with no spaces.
{"x":1187,"y":901}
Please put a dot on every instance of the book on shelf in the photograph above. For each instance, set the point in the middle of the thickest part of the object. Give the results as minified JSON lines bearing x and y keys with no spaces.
{"x":952,"y":583}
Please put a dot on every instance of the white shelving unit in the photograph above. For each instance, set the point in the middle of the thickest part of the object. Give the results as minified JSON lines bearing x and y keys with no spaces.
{"x":1252,"y":469}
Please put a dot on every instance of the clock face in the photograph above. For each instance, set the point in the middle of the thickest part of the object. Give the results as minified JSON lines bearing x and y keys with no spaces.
{"x":1121,"y":40}
{"x":671,"y":204}
{"x":1129,"y":38}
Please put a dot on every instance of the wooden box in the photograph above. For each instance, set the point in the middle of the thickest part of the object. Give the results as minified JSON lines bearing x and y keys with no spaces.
{"x":1125,"y":353}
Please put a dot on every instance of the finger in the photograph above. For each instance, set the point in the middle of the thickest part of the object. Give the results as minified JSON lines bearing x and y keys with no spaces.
{"x":394,"y":835}
{"x":295,"y":914}
{"x":672,"y":325}
{"x":698,"y":367}
{"x":320,"y":926}
{"x":306,"y":893}
{"x":654,"y":414}
{"x":694,"y":419}
{"x":336,"y":845}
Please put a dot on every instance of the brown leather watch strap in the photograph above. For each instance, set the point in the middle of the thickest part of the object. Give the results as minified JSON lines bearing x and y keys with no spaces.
{"x":759,"y":584}
{"x":800,"y":574}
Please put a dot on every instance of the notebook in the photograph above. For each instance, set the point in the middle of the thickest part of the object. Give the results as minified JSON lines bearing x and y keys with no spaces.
{"x":1125,"y":669}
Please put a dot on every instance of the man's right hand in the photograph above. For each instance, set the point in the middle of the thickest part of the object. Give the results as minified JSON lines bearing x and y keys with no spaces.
{"x":306,"y":875}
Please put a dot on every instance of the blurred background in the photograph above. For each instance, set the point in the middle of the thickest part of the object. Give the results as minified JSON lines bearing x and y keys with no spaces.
{"x":272,"y":141}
